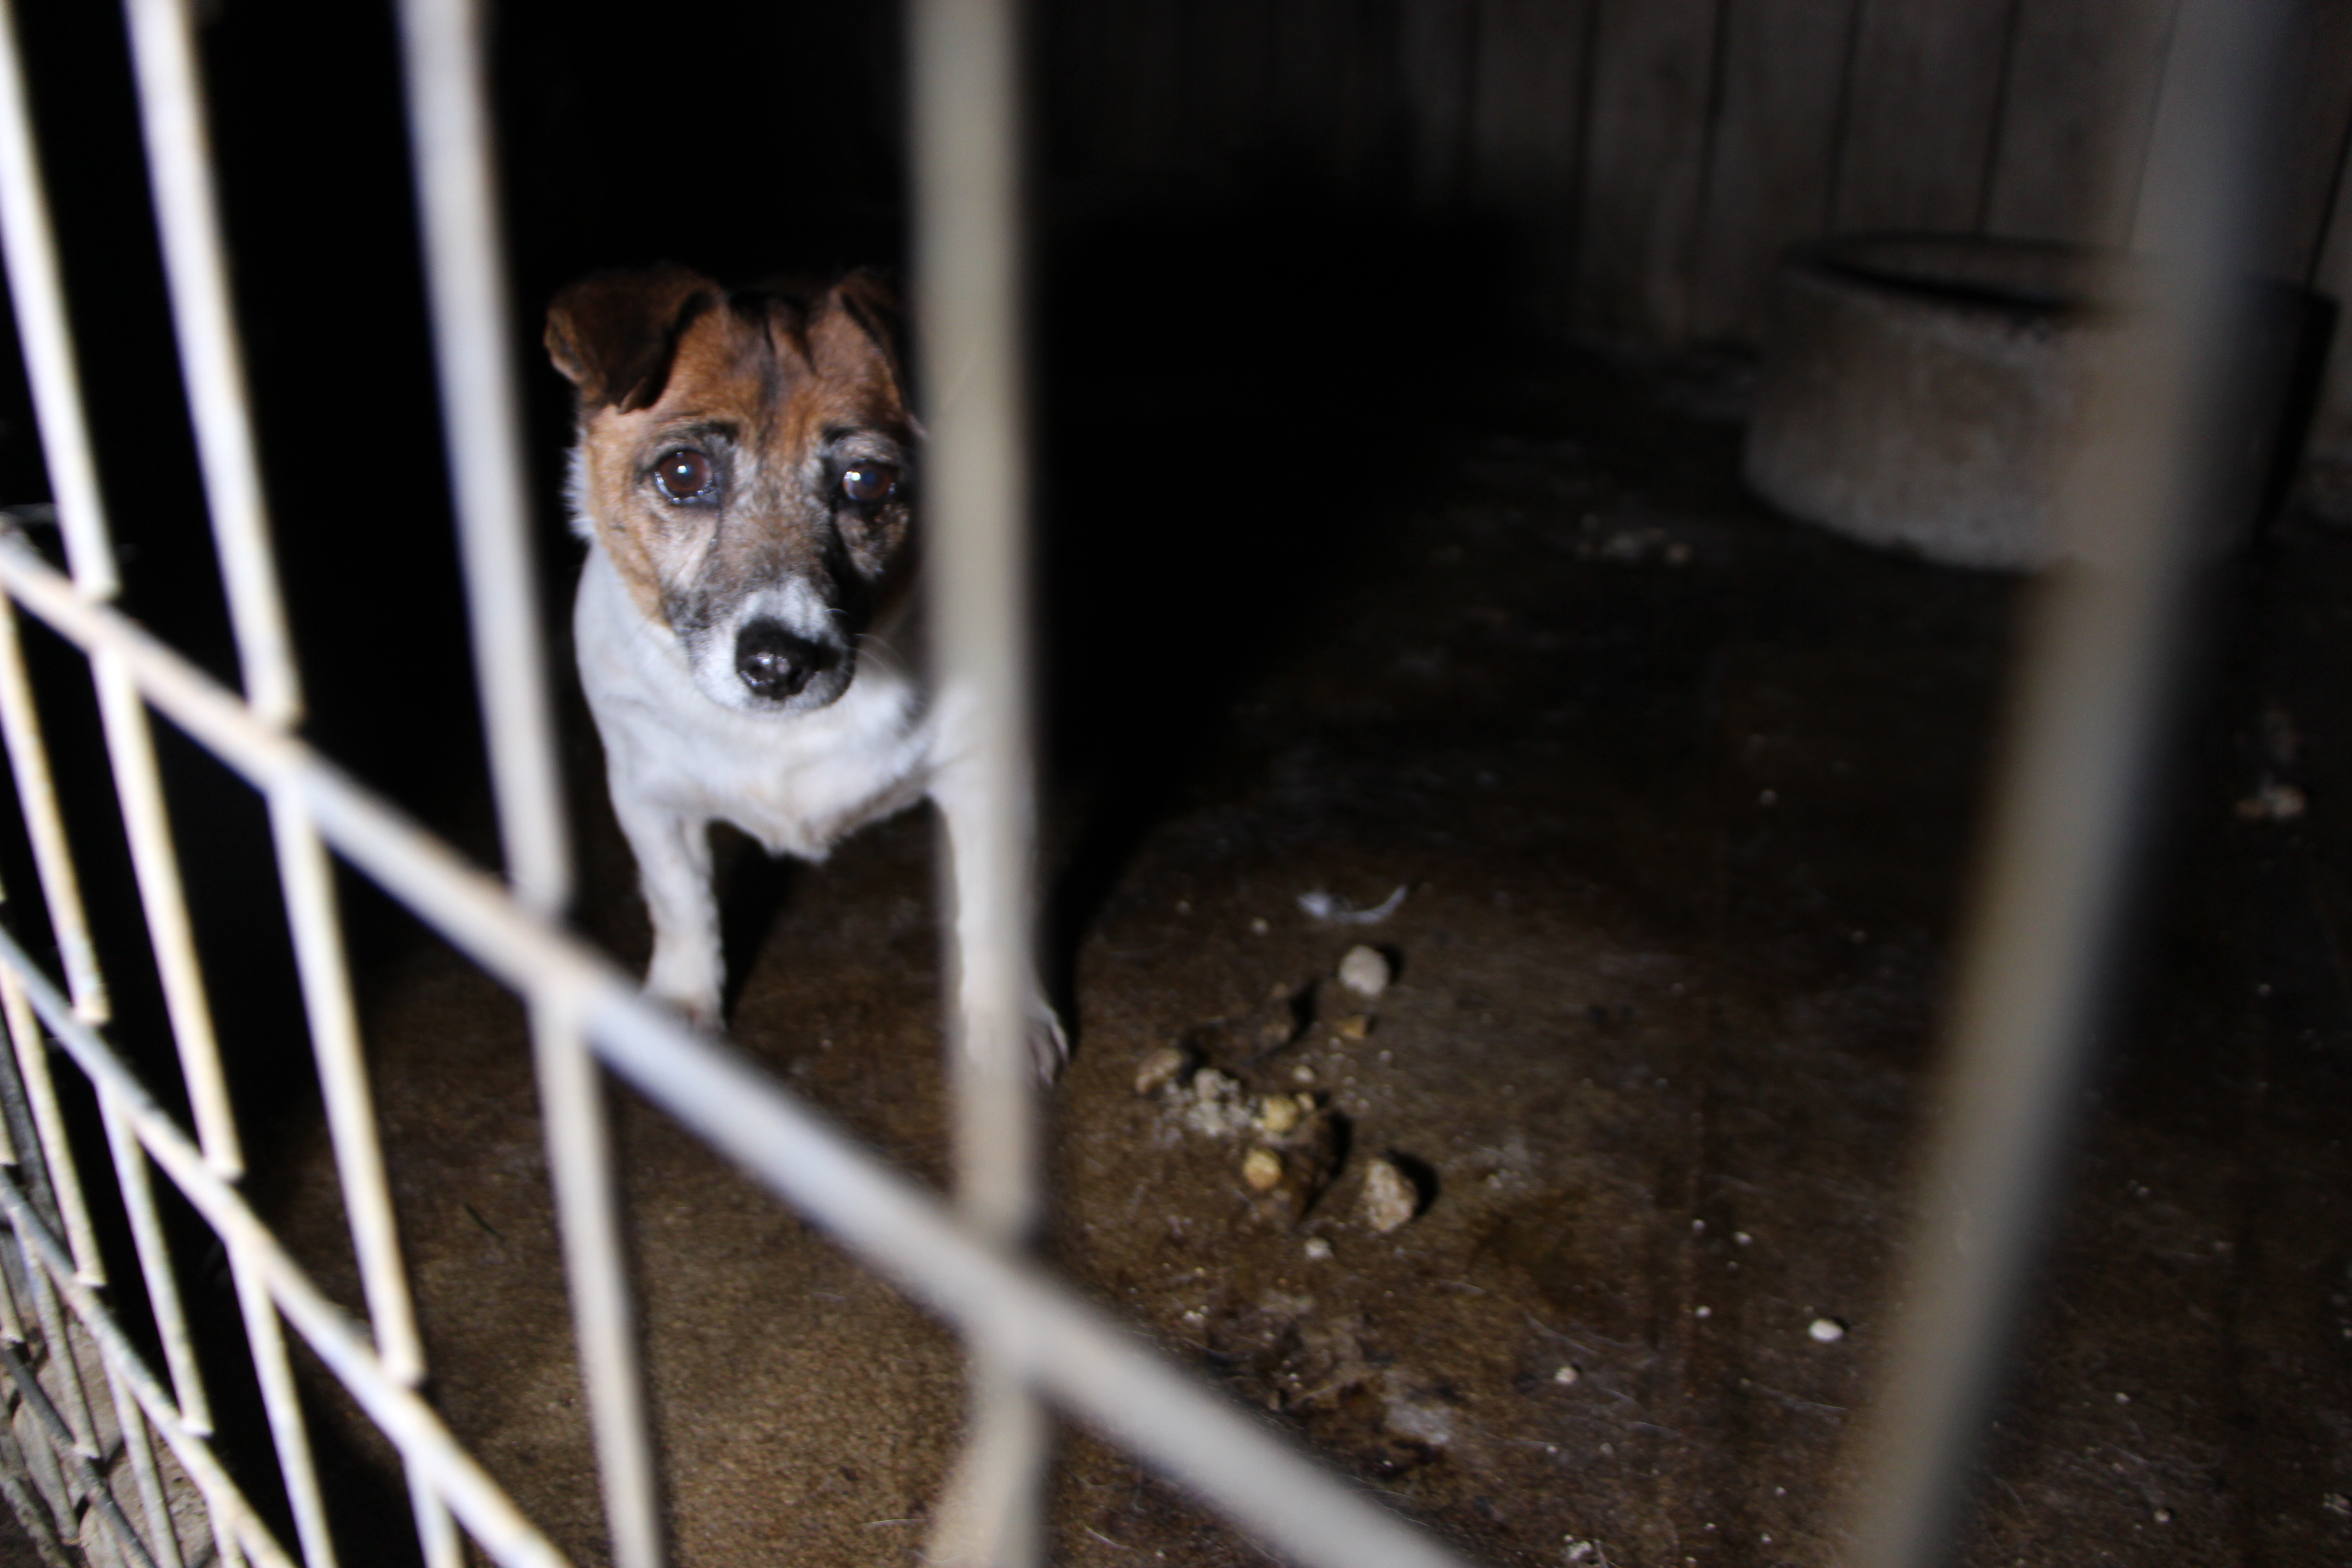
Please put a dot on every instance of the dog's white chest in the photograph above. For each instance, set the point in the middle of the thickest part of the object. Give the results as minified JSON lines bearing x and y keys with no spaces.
{"x":797,"y":782}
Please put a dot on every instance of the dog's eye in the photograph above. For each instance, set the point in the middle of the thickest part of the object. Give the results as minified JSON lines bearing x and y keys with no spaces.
{"x":867,"y":483}
{"x":683,"y":475}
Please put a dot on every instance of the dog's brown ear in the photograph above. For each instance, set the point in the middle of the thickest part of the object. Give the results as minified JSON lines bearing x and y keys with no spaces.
{"x":866,"y":297}
{"x":613,"y":334}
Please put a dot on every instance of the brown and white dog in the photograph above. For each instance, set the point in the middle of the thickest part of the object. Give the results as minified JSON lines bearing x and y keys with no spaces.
{"x":743,"y":480}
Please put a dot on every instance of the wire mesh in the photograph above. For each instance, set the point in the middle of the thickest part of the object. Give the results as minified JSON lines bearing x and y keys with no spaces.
{"x":1029,"y":1337}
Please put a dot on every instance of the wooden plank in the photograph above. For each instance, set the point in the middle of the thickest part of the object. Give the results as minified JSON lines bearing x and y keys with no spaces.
{"x":1370,"y":150}
{"x":1643,"y":161}
{"x":1769,"y":164}
{"x":2082,"y":80}
{"x":1434,"y":43}
{"x":1312,"y":81}
{"x":1922,"y":101}
{"x":2331,"y":427}
{"x":1229,"y":85}
{"x":1526,"y":107}
{"x":2318,"y":109}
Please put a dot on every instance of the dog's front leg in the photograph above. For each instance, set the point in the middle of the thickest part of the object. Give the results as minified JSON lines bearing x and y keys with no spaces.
{"x":971,"y":853}
{"x":673,"y":852}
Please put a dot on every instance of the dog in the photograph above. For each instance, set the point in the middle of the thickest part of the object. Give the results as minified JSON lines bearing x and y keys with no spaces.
{"x":743,"y":475}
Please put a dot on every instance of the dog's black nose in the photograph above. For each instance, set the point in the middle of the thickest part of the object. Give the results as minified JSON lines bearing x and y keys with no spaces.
{"x":774,"y":663}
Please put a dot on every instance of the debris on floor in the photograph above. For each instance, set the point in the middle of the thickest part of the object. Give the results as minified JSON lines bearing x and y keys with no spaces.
{"x":1336,"y":910}
{"x":1390,"y":1199}
{"x":1365,"y":971}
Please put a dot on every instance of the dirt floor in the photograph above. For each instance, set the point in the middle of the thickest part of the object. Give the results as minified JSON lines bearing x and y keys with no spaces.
{"x":1679,"y":798}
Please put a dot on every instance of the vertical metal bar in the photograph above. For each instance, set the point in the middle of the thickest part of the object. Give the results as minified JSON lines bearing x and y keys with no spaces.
{"x":2106,"y":635}
{"x":40,"y":310}
{"x":139,"y":789}
{"x":35,"y":286}
{"x":289,"y":1431}
{"x":453,"y":149}
{"x":155,"y":864}
{"x":233,"y":1518}
{"x":457,"y":197}
{"x":163,"y":1538}
{"x":12,"y":1318}
{"x":56,"y":1156}
{"x":49,"y":1479}
{"x":310,"y":910}
{"x":30,"y":1511}
{"x":965,"y":85}
{"x":36,"y":796}
{"x":580,"y":1158}
{"x":308,"y":877}
{"x":39,"y":297}
{"x":195,"y":263}
{"x":196,"y":268}
{"x":68,"y":1364}
{"x":155,"y":1269}
{"x":82,"y":1468}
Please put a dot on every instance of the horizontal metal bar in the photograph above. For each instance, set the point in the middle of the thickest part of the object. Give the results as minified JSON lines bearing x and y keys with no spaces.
{"x":1080,"y":1356}
{"x":426,"y":1445}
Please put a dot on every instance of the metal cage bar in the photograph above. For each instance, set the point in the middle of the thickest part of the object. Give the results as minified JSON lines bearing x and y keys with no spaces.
{"x":195,"y":271}
{"x":964,"y":90}
{"x":2098,"y":668}
{"x":1076,"y":1355}
{"x":171,"y":112}
{"x":37,"y":291}
{"x":457,"y":197}
{"x":341,"y":1343}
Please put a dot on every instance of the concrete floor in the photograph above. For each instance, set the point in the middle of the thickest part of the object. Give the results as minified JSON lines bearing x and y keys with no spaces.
{"x":1682,"y":796}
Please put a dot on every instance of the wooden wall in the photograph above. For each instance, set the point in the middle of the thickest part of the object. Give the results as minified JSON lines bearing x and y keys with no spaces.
{"x":1664,"y":152}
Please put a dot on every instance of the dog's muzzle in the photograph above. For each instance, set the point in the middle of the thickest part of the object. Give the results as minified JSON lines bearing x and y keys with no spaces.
{"x":776,"y":665}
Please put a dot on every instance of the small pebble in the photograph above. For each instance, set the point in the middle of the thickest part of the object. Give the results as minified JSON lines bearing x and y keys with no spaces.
{"x":1704,"y":1312}
{"x":1742,"y":1237}
{"x":1259,"y":927}
{"x":1262,"y":1169}
{"x":1302,"y":1073}
{"x":1828,"y":1331}
{"x":1566,"y":1374}
{"x":1160,"y":1068}
{"x":2164,"y":1516}
{"x":1318,"y":1249}
{"x":1277,"y":1114}
{"x":1365,"y":971}
{"x":1389,"y":1200}
{"x":1355,"y":1026}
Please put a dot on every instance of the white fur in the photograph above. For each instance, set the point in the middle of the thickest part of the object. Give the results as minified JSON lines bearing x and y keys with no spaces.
{"x":796,"y":782}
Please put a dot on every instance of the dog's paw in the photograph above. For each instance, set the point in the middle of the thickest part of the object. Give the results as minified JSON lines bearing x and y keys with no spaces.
{"x":699,"y":1008}
{"x":1049,"y":1047}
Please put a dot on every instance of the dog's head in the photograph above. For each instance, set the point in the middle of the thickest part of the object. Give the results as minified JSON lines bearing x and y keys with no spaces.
{"x":744,"y":459}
